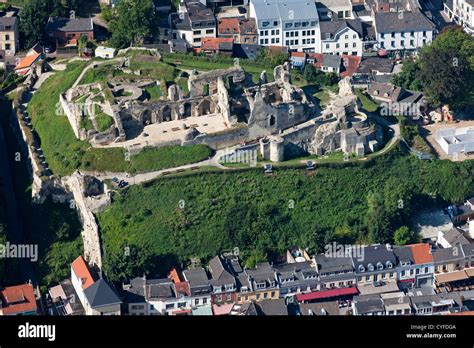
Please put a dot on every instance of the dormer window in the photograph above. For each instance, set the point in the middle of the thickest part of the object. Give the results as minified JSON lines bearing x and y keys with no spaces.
{"x":272,"y":283}
{"x":379,"y":265}
{"x":389,"y":264}
{"x":370,"y":267}
{"x":265,"y":24}
{"x":260,"y":285}
{"x":361,"y":269}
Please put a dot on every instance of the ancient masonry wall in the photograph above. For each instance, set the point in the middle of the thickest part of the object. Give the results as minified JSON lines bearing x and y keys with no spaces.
{"x":90,"y":232}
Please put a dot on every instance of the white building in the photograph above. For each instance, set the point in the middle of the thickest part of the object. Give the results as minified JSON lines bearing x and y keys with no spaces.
{"x":193,"y":22}
{"x":403,"y":30}
{"x":334,"y":9}
{"x":290,"y":23}
{"x":342,"y":37}
{"x":461,"y":12}
{"x":456,"y":140}
{"x":105,"y":52}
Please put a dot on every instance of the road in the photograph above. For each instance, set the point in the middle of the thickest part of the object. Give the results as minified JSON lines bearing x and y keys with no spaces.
{"x":144,"y":177}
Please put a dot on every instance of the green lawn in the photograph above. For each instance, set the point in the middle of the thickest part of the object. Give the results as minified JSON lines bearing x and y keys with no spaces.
{"x":367,"y":103}
{"x":153,"y":92}
{"x":104,"y":121}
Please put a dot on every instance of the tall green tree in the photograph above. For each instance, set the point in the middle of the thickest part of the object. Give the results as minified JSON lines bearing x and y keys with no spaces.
{"x":447,"y":69}
{"x":135,"y":21}
{"x":409,"y":77}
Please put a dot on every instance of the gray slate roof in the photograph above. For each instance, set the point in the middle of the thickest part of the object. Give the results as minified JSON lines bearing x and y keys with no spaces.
{"x":455,"y":237}
{"x":300,"y":9}
{"x":272,"y":307}
{"x":8,"y":22}
{"x":220,"y":274}
{"x":388,"y":22}
{"x":333,"y":264}
{"x":101,"y":294}
{"x":69,"y":25}
{"x":331,"y":60}
{"x":447,"y":255}
{"x":330,"y":28}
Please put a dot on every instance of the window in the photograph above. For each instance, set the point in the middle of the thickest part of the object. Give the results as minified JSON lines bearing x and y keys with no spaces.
{"x":7,"y":37}
{"x":393,"y":34}
{"x":273,"y":293}
{"x":354,"y":45}
{"x":417,"y":271}
{"x":340,"y":14}
{"x":261,"y":41}
{"x":204,"y":300}
{"x":412,"y":43}
{"x":382,"y":36}
{"x":354,"y":36}
{"x":277,"y":40}
{"x":258,"y":296}
{"x":426,"y":269}
{"x":393,"y":44}
{"x":196,"y":39}
{"x":287,"y":43}
{"x":347,"y":14}
{"x":169,"y":306}
{"x":313,"y":32}
{"x":304,"y":41}
{"x":346,"y":45}
{"x":273,"y":32}
{"x":273,"y":41}
{"x":265,"y":295}
{"x":266,"y":41}
{"x":210,"y":31}
{"x":327,"y":46}
{"x":367,"y":278}
{"x":197,"y":32}
{"x":277,"y":32}
{"x":297,"y":33}
{"x":296,"y":42}
{"x":292,"y":34}
{"x":337,"y":45}
{"x":313,"y":41}
{"x":287,"y":34}
{"x":275,"y":23}
{"x":346,"y":36}
{"x":265,"y":24}
{"x":424,"y":33}
{"x":402,"y":43}
{"x":196,"y":302}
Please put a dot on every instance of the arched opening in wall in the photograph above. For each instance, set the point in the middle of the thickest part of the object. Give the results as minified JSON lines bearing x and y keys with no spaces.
{"x":271,"y":120}
{"x":167,"y":113}
{"x":187,"y":110}
{"x":206,"y":107}
{"x":146,"y":117}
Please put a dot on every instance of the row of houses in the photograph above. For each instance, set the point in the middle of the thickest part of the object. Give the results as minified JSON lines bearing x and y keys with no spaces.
{"x":326,"y":26}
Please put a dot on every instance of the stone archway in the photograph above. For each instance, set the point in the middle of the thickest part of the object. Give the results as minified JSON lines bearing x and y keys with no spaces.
{"x":187,"y":110}
{"x":166,"y":114}
{"x":146,"y":117}
{"x":206,"y":107}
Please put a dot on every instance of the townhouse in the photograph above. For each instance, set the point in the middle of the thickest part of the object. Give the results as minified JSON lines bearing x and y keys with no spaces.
{"x":223,"y":282}
{"x":9,"y":33}
{"x":335,"y":272}
{"x":415,"y":266}
{"x":296,"y":278}
{"x":461,"y":12}
{"x":342,"y":37}
{"x":294,"y":24}
{"x":18,"y":300}
{"x":397,"y":31}
{"x":67,"y":31}
{"x":200,"y":289}
{"x":242,"y":30}
{"x":378,"y":264}
{"x":334,"y":9}
{"x":95,"y":294}
{"x":192,"y":22}
{"x":261,"y":284}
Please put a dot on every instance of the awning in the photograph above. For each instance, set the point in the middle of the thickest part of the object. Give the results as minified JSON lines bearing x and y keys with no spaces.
{"x":451,"y":277}
{"x":327,"y":293}
{"x":470,"y":272}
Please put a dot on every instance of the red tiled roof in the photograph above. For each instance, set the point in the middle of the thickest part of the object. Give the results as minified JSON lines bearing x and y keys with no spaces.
{"x":298,"y":54}
{"x":82,"y":271}
{"x":18,"y":299}
{"x":27,"y":61}
{"x":350,"y":64}
{"x":174,"y":276}
{"x":327,"y":293}
{"x":214,"y":44}
{"x":421,"y":253}
{"x":228,"y":26}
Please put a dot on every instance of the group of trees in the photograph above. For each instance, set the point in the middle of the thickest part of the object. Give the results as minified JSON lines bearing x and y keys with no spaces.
{"x":34,"y":16}
{"x":318,"y":77}
{"x":274,"y":57}
{"x":373,"y":202}
{"x":444,"y":70}
{"x":132,"y":22}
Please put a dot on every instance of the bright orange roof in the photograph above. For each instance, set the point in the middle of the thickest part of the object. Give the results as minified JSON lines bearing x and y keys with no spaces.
{"x":211,"y":43}
{"x":298,"y":54}
{"x":27,"y":61}
{"x":174,"y":276}
{"x":81,"y":270}
{"x":18,"y":299}
{"x":421,"y":253}
{"x":351,"y":64}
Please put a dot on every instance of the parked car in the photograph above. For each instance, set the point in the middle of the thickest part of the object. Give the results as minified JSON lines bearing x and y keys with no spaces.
{"x":50,"y":48}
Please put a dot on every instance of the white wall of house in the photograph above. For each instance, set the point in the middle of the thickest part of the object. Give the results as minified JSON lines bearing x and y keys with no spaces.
{"x":77,"y":284}
{"x":345,"y":42}
{"x":404,"y":40}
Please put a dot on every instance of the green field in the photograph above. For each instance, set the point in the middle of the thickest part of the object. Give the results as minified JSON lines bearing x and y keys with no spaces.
{"x":65,"y":153}
{"x":245,"y":209}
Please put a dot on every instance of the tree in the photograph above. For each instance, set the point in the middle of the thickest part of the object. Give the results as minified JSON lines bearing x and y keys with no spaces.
{"x":409,"y":77}
{"x":310,"y":73}
{"x":404,"y":235}
{"x":377,"y":219}
{"x":135,"y":21}
{"x":447,"y":69}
